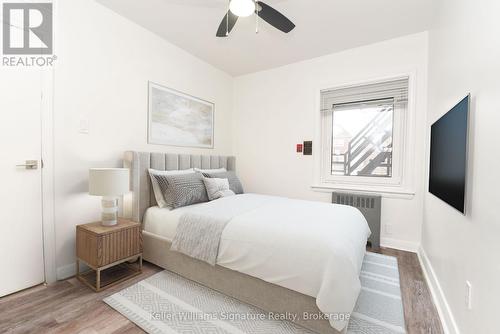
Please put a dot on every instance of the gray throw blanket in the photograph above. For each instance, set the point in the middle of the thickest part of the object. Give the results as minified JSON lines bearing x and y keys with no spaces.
{"x":198,"y":235}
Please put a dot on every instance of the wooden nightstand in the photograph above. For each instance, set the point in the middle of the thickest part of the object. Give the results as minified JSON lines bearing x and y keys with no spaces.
{"x":107,"y":250}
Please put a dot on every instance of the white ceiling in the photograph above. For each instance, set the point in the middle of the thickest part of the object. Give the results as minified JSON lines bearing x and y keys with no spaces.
{"x":323,"y":27}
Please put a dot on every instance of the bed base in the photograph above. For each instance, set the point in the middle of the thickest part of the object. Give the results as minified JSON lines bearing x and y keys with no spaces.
{"x":266,"y":296}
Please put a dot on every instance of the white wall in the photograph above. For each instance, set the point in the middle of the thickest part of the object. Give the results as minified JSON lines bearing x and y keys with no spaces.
{"x":103,"y":67}
{"x":465,"y":57}
{"x":275,"y":109}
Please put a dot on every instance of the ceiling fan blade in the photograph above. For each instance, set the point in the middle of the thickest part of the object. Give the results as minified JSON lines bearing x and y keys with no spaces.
{"x":225,"y":26}
{"x":275,"y":18}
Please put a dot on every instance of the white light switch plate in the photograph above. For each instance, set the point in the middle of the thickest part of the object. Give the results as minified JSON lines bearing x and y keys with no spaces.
{"x":84,"y":126}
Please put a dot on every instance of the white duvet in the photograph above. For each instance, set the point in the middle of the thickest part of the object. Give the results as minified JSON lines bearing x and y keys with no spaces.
{"x":310,"y":247}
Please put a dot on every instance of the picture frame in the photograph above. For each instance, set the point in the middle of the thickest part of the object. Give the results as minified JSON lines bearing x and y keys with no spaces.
{"x":179,"y":119}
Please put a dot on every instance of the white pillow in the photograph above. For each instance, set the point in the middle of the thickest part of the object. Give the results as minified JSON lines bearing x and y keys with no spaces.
{"x":215,"y":170}
{"x":217,"y":188}
{"x":156,"y":187}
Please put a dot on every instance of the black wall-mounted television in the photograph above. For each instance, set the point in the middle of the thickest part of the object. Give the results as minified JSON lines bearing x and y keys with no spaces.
{"x":448,"y":163}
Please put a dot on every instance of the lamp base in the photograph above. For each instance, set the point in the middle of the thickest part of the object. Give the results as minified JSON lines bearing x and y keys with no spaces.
{"x":109,"y":211}
{"x":109,"y":222}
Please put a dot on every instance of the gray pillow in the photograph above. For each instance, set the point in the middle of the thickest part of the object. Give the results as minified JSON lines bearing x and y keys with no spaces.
{"x":217,"y":188}
{"x":234,"y":182}
{"x":182,"y":190}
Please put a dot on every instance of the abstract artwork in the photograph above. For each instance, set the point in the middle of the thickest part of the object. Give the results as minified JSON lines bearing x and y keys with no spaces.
{"x":178,"y":119}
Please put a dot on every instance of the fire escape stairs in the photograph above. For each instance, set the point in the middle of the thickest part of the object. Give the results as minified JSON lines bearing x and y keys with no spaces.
{"x":368,"y":152}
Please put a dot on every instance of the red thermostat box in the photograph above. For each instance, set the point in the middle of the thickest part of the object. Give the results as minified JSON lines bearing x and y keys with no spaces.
{"x":300,"y":148}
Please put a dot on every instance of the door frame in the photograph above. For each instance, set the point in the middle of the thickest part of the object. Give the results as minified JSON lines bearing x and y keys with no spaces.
{"x":47,"y":181}
{"x":48,"y":158}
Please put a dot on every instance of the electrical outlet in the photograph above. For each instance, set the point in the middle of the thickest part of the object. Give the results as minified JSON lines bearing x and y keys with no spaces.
{"x":388,"y":229}
{"x":468,"y":295}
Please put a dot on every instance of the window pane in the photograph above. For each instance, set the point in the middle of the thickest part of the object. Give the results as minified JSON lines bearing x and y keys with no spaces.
{"x":362,"y":139}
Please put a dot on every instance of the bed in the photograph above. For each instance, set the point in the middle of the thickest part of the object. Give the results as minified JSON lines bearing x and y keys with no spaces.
{"x":284,"y":256}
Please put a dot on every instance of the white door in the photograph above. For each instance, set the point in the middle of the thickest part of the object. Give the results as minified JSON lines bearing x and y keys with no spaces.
{"x":21,"y":238}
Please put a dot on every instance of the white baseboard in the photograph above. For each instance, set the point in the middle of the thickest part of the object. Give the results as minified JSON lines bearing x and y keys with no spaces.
{"x":443,"y":308}
{"x":69,"y":270}
{"x":408,"y":246}
{"x":66,"y":271}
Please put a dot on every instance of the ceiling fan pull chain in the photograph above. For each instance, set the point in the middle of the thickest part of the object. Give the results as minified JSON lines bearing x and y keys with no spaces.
{"x":227,"y":18}
{"x":257,"y":17}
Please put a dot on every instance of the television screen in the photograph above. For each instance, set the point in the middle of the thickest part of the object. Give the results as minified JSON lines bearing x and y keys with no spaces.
{"x":448,"y":160}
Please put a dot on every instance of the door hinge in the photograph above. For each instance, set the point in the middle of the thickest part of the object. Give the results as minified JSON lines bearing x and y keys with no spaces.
{"x":41,"y":163}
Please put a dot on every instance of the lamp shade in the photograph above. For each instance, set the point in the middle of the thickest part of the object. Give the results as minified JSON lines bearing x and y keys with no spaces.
{"x":108,"y":181}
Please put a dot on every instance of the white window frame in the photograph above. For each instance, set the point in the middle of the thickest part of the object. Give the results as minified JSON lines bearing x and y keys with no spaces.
{"x":401,"y":182}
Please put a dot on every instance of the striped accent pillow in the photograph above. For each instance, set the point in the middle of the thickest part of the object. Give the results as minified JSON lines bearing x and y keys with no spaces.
{"x":234,"y":182}
{"x":182,"y":190}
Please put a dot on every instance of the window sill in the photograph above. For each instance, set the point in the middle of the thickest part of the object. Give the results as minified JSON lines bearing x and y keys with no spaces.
{"x":387,"y":192}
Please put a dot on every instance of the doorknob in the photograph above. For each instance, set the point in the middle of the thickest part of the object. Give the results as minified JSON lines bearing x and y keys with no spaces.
{"x":30,"y":164}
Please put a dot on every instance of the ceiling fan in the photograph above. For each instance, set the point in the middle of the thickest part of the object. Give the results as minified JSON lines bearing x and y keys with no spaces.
{"x":244,"y":8}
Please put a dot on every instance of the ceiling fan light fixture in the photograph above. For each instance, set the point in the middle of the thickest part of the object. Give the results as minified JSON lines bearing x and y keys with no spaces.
{"x":242,"y":8}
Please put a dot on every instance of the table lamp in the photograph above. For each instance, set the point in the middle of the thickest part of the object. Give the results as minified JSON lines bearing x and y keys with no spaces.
{"x":110,"y":183}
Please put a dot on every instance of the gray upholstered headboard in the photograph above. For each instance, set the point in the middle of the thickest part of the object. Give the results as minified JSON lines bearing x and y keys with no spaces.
{"x":142,"y":196}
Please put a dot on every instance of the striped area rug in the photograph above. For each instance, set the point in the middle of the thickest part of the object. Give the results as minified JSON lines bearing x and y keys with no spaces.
{"x":379,"y":308}
{"x":168,"y":303}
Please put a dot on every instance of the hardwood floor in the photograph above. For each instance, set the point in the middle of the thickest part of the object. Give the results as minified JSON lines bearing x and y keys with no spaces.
{"x":421,"y":315}
{"x":71,"y":307}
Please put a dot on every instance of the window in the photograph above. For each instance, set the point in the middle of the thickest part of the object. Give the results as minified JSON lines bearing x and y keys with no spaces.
{"x":363,"y":133}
